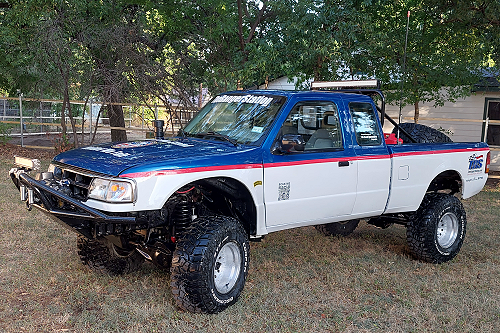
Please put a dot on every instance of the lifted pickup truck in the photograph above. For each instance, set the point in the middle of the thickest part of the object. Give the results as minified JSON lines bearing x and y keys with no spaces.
{"x":251,"y":163}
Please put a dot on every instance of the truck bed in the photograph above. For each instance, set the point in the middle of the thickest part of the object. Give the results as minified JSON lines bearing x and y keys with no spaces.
{"x":414,"y":166}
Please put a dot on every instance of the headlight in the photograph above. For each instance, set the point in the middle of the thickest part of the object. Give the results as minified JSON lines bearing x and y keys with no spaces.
{"x":111,"y":190}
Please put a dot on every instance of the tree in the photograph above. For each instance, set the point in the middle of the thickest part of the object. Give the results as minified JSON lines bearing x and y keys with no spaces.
{"x":115,"y":39}
{"x":442,"y":61}
{"x":217,"y":40}
{"x":329,"y":40}
{"x":482,"y":19}
{"x":62,"y":46}
{"x":318,"y":38}
{"x":39,"y":53}
{"x":162,"y":51}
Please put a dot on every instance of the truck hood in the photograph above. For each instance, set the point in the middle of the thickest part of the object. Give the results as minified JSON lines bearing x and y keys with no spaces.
{"x":114,"y":159}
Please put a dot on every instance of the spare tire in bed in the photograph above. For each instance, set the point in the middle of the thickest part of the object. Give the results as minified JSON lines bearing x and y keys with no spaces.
{"x":421,"y":133}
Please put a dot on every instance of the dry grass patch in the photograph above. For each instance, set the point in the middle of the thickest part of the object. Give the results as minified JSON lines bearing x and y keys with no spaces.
{"x":299,"y":281}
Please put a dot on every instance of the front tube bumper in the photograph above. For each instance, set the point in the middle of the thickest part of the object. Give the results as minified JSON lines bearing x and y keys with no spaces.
{"x":37,"y":194}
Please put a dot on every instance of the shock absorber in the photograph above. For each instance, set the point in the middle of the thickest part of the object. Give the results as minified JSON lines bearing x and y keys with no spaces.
{"x":182,"y":216}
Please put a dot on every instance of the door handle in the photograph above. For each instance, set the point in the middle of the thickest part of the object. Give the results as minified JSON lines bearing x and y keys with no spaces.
{"x":343,"y":163}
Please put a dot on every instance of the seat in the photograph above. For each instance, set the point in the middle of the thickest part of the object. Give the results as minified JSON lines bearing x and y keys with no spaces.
{"x":321,"y":139}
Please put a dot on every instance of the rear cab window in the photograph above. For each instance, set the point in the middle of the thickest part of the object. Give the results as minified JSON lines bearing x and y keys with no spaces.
{"x":365,"y":124}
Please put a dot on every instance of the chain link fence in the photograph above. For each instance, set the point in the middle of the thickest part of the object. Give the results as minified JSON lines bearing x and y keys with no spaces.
{"x":41,"y":120}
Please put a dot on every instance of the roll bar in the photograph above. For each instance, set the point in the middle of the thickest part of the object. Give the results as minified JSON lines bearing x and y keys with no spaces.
{"x":362,"y":87}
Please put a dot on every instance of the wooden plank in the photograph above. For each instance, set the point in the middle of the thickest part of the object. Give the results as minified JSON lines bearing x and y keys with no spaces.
{"x":37,"y":147}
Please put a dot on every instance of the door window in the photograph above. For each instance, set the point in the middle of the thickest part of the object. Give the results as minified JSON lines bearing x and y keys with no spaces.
{"x":365,"y":124}
{"x":315,"y":123}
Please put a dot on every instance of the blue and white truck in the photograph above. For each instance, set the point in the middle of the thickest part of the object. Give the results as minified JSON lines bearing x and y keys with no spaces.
{"x":251,"y":163}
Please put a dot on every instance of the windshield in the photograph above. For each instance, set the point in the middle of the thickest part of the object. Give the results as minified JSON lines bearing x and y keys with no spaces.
{"x":241,"y":118}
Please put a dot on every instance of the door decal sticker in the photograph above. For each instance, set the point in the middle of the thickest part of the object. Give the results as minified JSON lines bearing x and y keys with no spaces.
{"x":284,"y":191}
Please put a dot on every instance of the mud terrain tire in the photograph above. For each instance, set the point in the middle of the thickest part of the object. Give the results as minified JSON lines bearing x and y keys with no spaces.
{"x":104,"y":257}
{"x":435,"y":233}
{"x":421,"y":133}
{"x":210,"y":265}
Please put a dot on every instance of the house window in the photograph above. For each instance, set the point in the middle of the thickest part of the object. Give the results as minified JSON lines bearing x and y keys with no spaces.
{"x":492,"y":136}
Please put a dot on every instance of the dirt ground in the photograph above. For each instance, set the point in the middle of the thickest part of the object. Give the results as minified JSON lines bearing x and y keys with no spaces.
{"x":493,"y":179}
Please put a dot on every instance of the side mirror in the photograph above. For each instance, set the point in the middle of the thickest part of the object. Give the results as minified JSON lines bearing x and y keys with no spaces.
{"x":289,"y":143}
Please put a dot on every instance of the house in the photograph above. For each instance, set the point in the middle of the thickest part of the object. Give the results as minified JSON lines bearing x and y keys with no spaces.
{"x":470,"y":119}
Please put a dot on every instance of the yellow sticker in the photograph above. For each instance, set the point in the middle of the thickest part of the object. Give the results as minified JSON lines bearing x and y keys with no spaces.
{"x":259,"y":182}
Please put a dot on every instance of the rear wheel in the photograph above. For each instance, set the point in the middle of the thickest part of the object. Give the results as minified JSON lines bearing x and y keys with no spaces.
{"x":105,"y":257}
{"x":338,"y":228}
{"x":210,"y":265}
{"x":437,"y":230}
{"x":421,"y":133}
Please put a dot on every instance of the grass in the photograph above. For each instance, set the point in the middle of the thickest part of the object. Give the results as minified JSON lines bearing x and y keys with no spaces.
{"x":299,"y":281}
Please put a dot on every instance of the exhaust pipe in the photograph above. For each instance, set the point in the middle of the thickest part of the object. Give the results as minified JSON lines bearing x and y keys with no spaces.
{"x":158,"y":124}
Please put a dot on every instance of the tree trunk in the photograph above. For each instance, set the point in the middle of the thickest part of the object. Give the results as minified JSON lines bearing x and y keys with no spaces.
{"x":240,"y":26}
{"x":317,"y":69}
{"x":72,"y":120}
{"x":83,"y":120}
{"x":417,"y":112}
{"x":200,"y":97}
{"x":63,"y":118}
{"x":116,"y":119}
{"x":96,"y":123}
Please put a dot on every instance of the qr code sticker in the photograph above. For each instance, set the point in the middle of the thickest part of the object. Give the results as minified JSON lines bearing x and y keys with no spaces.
{"x":283,"y":191}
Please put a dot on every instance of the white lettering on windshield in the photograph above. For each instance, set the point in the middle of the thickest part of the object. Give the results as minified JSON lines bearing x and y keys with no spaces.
{"x":251,"y":99}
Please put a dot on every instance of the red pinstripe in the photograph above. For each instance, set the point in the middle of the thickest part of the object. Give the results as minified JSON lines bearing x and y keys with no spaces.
{"x":293,"y":163}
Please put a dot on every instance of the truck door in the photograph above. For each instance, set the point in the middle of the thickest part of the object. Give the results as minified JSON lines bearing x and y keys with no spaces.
{"x":315,"y":181}
{"x":374,"y":163}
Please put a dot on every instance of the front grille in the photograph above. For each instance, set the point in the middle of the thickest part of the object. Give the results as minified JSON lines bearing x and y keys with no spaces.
{"x":79,"y":184}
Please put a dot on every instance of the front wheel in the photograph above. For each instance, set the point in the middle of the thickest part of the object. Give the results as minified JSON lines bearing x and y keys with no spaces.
{"x":437,"y":230}
{"x":210,"y":265}
{"x":102,"y":256}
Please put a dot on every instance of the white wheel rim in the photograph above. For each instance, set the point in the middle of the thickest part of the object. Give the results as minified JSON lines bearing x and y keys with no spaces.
{"x":447,"y":230}
{"x":227,"y":267}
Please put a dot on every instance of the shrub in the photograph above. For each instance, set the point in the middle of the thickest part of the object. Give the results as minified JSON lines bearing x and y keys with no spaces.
{"x":61,"y":143}
{"x":5,"y":130}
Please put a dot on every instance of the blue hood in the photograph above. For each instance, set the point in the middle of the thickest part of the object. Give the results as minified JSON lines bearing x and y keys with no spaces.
{"x":150,"y":155}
